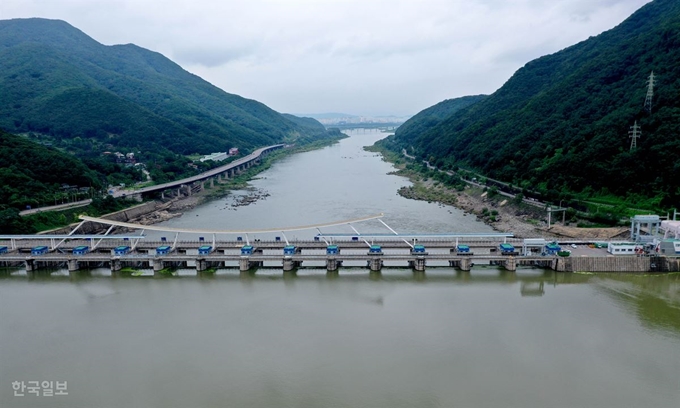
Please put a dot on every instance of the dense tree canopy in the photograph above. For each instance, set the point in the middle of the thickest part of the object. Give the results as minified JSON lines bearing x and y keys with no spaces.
{"x":31,"y":173}
{"x":561,"y":123}
{"x":57,"y":81}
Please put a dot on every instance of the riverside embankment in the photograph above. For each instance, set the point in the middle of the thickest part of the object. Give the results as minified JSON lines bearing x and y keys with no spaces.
{"x":504,"y":214}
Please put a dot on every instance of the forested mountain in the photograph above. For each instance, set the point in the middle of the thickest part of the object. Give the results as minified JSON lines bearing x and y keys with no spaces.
{"x":33,"y":173}
{"x":560,"y":124}
{"x":434,"y":115}
{"x":57,"y":81}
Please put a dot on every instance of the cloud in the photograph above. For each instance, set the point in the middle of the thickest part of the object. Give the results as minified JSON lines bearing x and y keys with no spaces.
{"x":210,"y":57}
{"x":356,"y":56}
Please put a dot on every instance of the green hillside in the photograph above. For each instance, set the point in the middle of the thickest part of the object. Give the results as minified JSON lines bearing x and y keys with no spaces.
{"x":58,"y":82}
{"x":560,"y":124}
{"x":32,"y":174}
{"x":434,"y":115}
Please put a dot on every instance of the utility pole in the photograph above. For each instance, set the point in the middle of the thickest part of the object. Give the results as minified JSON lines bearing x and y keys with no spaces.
{"x":651,"y":81}
{"x":634,"y":133}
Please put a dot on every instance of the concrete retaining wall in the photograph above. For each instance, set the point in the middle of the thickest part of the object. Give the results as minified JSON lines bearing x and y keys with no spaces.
{"x":604,"y":264}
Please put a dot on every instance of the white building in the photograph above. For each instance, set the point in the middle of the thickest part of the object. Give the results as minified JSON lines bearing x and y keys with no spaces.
{"x":219,"y":156}
{"x":623,"y":248}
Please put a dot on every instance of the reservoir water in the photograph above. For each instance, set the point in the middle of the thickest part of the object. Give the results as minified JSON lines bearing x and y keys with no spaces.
{"x":487,"y":338}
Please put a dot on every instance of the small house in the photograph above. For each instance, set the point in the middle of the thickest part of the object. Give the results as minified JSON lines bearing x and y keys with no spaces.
{"x":246,"y":250}
{"x":507,"y":249}
{"x":205,"y":249}
{"x":670,"y":247}
{"x":289,"y":250}
{"x":552,"y":248}
{"x":375,"y":250}
{"x":121,"y":250}
{"x":81,"y":250}
{"x":332,"y":250}
{"x":39,"y":250}
{"x":163,"y":250}
{"x":622,"y":248}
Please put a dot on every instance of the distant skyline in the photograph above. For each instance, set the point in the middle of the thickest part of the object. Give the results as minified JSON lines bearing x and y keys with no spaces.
{"x":360,"y":57}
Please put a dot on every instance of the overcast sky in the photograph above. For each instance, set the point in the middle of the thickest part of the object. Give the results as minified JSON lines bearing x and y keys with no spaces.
{"x":366,"y":57}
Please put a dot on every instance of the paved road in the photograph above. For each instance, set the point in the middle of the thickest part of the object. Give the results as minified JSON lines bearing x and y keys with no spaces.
{"x":202,"y":176}
{"x":188,"y":180}
{"x":529,"y":201}
{"x":59,"y":207}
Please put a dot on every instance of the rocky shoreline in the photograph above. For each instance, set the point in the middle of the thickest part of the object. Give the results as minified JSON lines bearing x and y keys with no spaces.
{"x":176,"y":207}
{"x":524,"y":221}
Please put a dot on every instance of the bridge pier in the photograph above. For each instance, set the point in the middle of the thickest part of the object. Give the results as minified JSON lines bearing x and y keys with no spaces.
{"x":116,"y":266}
{"x":212,"y":182}
{"x":332,"y":264}
{"x":375,"y":264}
{"x":510,"y":264}
{"x":30,"y":265}
{"x":418,"y":264}
{"x":158,"y":266}
{"x":244,"y":264}
{"x":288,"y":264}
{"x":465,"y":264}
{"x":73,"y":265}
{"x":201,"y":265}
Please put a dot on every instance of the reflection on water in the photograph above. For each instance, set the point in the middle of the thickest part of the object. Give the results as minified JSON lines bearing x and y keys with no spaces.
{"x":396,"y":338}
{"x":654,"y":299}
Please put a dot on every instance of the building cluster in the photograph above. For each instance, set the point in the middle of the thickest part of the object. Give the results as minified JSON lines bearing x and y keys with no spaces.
{"x":127,"y":158}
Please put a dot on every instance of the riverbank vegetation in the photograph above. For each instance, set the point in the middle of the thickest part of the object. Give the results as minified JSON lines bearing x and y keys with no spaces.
{"x":495,"y":207}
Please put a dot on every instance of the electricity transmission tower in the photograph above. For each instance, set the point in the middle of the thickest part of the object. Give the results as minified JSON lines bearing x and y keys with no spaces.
{"x":634,"y":133}
{"x":651,"y":81}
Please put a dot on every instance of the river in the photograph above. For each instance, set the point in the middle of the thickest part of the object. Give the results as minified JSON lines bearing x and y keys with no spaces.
{"x":487,"y":338}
